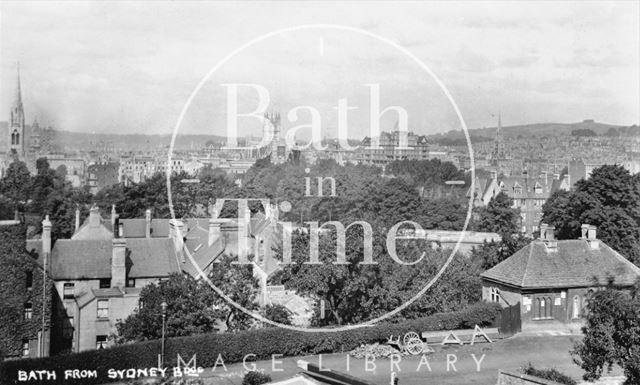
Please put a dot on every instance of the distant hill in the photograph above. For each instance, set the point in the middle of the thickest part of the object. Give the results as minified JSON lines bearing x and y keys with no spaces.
{"x":528,"y":131}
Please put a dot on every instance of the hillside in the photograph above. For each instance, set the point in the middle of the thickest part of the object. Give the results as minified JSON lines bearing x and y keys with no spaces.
{"x":525,"y":131}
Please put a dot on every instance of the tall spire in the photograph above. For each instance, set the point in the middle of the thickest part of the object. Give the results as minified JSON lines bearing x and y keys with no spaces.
{"x":17,"y":102}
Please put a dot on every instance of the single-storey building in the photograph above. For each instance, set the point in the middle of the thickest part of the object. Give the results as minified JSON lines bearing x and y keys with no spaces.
{"x":553,"y":279}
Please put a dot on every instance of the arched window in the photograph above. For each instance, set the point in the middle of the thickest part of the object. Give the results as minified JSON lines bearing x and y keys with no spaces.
{"x":17,"y":138}
{"x":13,"y":138}
{"x":539,"y":305}
{"x":549,"y":307}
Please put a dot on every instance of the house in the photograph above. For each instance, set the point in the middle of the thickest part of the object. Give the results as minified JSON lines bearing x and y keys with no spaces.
{"x":528,"y":195}
{"x":553,"y":279}
{"x":30,"y":319}
{"x":99,"y":272}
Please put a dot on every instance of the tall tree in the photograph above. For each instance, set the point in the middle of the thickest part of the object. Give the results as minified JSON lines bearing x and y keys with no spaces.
{"x":499,"y":216}
{"x":610,"y":200}
{"x":611,"y":334}
{"x":16,"y":183}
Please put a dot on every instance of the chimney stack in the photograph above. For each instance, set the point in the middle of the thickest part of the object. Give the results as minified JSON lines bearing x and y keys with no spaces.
{"x":584,"y":229}
{"x":594,"y":242}
{"x":147,"y":223}
{"x":113,"y":218}
{"x":547,"y":235}
{"x":543,"y":231}
{"x":176,"y":232}
{"x":46,"y":235}
{"x":77,"y":220}
{"x":118,"y":262}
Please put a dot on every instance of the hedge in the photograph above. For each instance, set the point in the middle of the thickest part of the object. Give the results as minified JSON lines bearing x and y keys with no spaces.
{"x":233,"y":347}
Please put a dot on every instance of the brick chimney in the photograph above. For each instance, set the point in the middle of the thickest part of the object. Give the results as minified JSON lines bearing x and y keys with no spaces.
{"x":118,"y":262}
{"x":594,"y":242}
{"x":547,"y":234}
{"x":147,"y":218}
{"x":46,"y":235}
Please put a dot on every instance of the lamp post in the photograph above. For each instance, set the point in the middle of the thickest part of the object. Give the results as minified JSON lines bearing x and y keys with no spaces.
{"x":163,"y":305}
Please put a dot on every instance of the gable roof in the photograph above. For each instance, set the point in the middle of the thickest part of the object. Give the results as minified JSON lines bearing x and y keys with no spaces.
{"x":574,"y":264}
{"x":91,"y":259}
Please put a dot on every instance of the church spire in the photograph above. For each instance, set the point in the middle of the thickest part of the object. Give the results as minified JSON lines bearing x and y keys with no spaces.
{"x":17,"y":102}
{"x":17,"y":112}
{"x":16,"y":125}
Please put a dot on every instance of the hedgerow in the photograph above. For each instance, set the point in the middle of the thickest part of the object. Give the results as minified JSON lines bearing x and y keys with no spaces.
{"x":233,"y":347}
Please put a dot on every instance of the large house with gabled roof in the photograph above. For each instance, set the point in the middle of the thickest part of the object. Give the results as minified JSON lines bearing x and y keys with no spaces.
{"x":552,"y":279}
{"x":100,"y":271}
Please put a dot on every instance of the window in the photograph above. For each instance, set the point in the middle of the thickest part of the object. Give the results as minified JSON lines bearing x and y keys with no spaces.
{"x":28,"y":310}
{"x":68,"y":291}
{"x":68,"y":328}
{"x":101,"y":342}
{"x":105,"y":283}
{"x":29,"y":280}
{"x":494,"y":294}
{"x":103,"y":308}
{"x":25,"y":347}
{"x":131,"y":282}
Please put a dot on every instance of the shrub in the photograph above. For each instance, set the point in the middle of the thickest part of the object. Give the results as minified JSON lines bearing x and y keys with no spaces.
{"x":256,"y":378}
{"x":548,"y":374}
{"x":233,"y":347}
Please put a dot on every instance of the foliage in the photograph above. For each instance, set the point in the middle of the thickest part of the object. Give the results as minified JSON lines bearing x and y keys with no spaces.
{"x":583,"y":132}
{"x":491,"y":253}
{"x":610,"y":200}
{"x":499,"y":216}
{"x":133,"y":200}
{"x":233,"y":347}
{"x":16,"y":183}
{"x":278,"y":313}
{"x":15,"y":263}
{"x":192,"y":306}
{"x":612,"y":334}
{"x":255,"y":378}
{"x":548,"y":374}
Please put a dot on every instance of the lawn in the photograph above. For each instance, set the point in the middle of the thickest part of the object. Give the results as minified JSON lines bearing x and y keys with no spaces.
{"x":477,"y":364}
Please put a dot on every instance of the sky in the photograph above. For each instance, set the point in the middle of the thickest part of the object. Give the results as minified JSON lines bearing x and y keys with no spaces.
{"x":130,"y":67}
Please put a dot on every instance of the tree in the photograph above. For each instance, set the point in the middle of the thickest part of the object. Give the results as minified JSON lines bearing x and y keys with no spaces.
{"x":611,"y":334}
{"x":189,"y":311}
{"x":16,"y":183}
{"x":610,"y":200}
{"x":193,"y":307}
{"x":491,"y":253}
{"x":277,"y":313}
{"x":499,"y":216}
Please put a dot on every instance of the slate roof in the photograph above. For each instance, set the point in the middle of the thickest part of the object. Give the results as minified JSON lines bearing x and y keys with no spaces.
{"x":574,"y":264}
{"x":137,"y":227}
{"x":91,"y":259}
